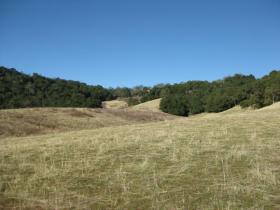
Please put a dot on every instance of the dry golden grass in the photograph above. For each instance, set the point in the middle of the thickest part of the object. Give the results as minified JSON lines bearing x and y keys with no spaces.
{"x":149,"y":106}
{"x":24,"y":122}
{"x":211,"y":161}
{"x":115,"y":104}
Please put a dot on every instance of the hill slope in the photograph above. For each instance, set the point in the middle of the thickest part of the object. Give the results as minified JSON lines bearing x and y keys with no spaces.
{"x":30,"y":121}
{"x":152,"y":105}
{"x":114,"y":104}
{"x":212,"y":161}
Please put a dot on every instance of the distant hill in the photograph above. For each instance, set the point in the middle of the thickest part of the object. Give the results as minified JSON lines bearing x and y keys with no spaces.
{"x":19,"y":90}
{"x":152,"y":105}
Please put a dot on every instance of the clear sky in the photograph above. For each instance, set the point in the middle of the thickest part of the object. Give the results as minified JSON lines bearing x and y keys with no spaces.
{"x":133,"y":42}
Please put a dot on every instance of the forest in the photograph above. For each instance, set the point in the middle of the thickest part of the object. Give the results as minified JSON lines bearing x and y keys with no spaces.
{"x":19,"y":90}
{"x":195,"y":97}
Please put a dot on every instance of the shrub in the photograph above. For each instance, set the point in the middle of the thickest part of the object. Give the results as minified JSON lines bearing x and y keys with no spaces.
{"x":133,"y":101}
{"x":196,"y":105}
{"x":246,"y":103}
{"x":218,"y":103}
{"x":175,"y":104}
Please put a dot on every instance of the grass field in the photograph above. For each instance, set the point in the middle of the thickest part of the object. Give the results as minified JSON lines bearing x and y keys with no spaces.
{"x":228,"y":160}
{"x":115,"y":104}
{"x":25,"y":122}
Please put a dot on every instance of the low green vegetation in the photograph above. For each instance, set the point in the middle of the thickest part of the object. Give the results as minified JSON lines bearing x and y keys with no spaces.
{"x":175,"y":104}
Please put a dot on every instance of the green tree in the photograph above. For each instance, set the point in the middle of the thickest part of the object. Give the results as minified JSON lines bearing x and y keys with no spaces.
{"x":175,"y":104}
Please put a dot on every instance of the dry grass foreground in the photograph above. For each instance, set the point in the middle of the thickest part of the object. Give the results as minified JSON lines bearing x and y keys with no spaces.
{"x":228,"y":160}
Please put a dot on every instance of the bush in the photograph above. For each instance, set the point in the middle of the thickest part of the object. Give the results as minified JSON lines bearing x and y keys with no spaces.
{"x":245,"y":103}
{"x":196,"y":105}
{"x":251,"y":102}
{"x":175,"y":104}
{"x":133,"y":101}
{"x":218,"y":103}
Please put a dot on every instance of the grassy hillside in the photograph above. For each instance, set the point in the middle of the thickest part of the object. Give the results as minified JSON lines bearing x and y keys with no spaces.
{"x":24,"y":122}
{"x":115,"y":104}
{"x":211,"y":161}
{"x":152,"y":105}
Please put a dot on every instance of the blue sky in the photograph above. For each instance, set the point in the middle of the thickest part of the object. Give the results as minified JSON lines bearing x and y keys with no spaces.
{"x":133,"y":42}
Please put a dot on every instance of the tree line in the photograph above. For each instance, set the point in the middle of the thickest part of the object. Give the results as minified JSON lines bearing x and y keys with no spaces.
{"x":18,"y":90}
{"x":195,"y":97}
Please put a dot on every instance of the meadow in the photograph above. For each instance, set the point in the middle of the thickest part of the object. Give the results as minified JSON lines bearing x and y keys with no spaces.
{"x":139,"y":159}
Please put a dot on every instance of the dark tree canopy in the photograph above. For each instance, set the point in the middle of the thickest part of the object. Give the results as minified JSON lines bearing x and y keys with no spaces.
{"x":21,"y":90}
{"x":175,"y":104}
{"x":223,"y":94}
